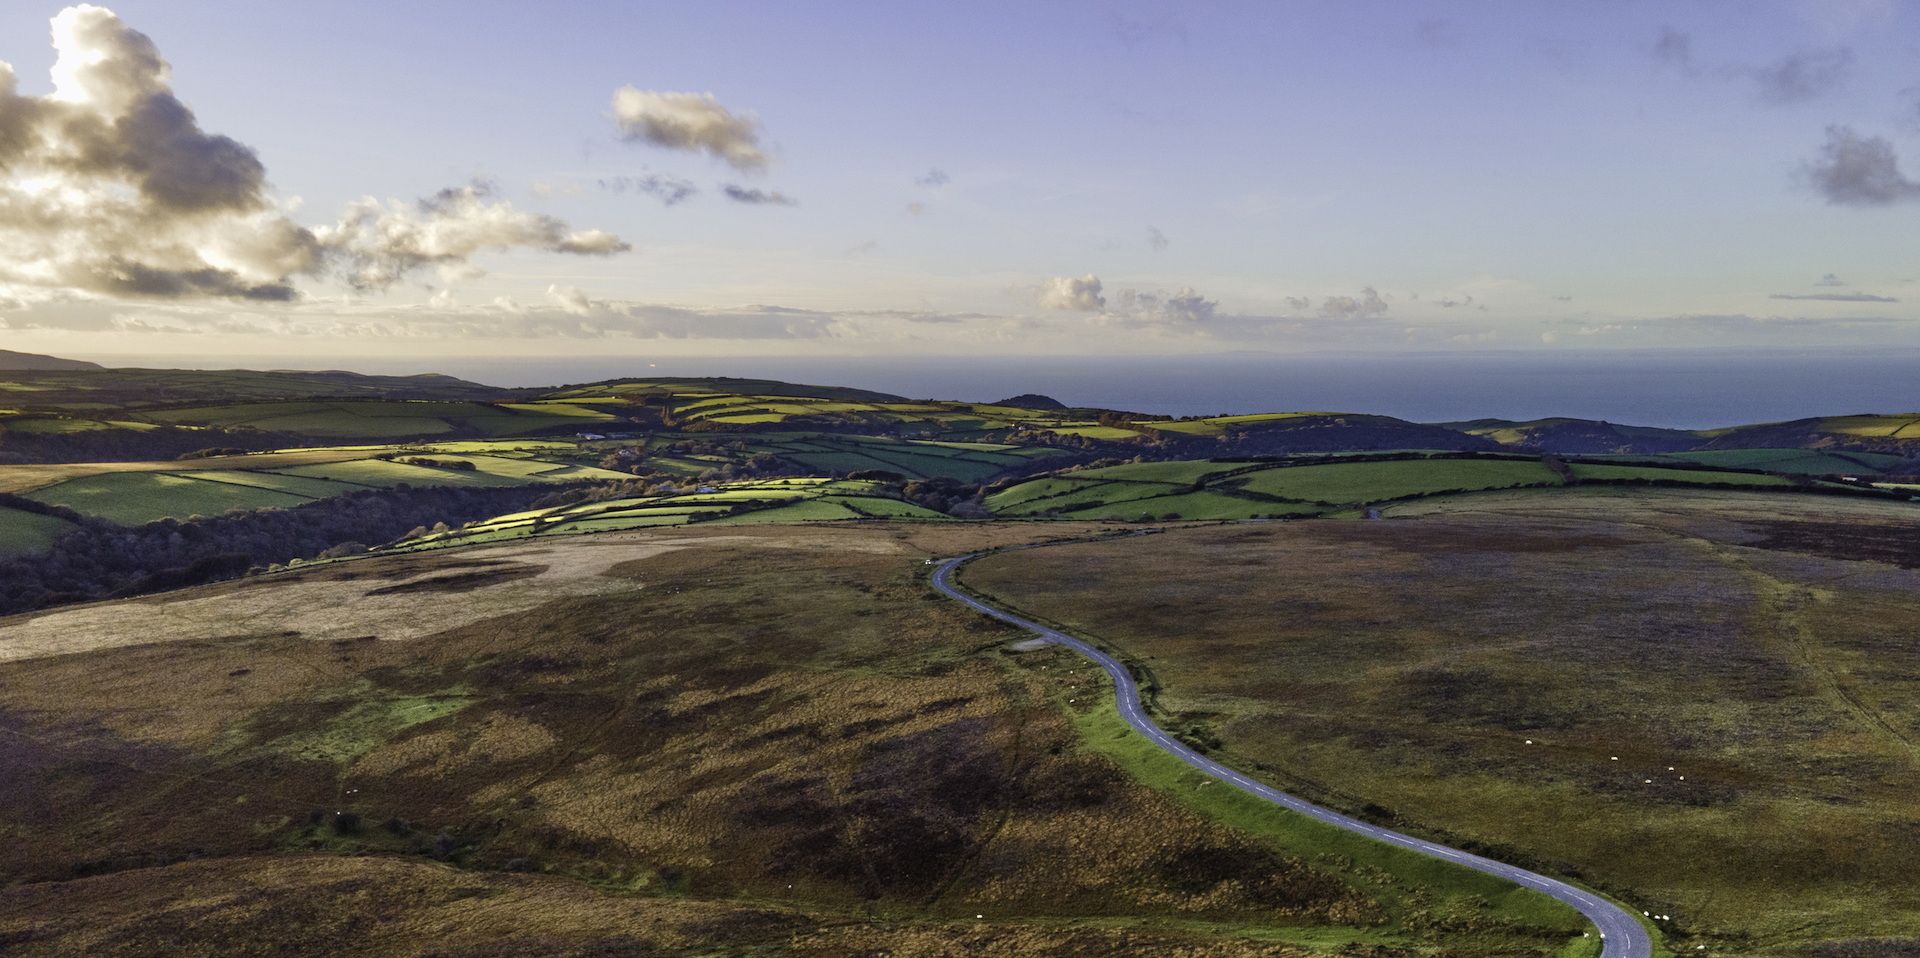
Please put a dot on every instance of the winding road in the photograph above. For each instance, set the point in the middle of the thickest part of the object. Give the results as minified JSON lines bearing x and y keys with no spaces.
{"x":1621,"y":933}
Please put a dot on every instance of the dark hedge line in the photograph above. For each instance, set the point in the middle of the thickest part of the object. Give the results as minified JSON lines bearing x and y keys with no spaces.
{"x":100,"y":560}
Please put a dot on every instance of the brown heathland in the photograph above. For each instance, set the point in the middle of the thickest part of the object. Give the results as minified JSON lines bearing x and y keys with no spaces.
{"x":1689,"y":698}
{"x":634,"y":736}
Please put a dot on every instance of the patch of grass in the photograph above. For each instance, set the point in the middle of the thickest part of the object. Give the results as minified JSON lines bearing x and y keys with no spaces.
{"x":1364,"y":482}
{"x":1700,"y":477}
{"x":1803,"y":461}
{"x":1182,"y":472}
{"x":136,"y":498}
{"x":1291,"y":833}
{"x":369,"y":723}
{"x":28,"y":533}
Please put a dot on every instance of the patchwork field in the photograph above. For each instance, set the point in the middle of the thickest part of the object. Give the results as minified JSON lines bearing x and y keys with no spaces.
{"x":218,"y":485}
{"x":723,"y":740}
{"x":374,"y":419}
{"x":1707,"y":702}
{"x":1302,"y":485}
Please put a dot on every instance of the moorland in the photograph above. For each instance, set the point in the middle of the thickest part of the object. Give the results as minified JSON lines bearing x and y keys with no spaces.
{"x":336,"y":664}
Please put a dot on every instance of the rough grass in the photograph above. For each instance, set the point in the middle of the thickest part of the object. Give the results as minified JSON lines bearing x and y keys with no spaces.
{"x":1699,"y":701}
{"x":781,"y":720}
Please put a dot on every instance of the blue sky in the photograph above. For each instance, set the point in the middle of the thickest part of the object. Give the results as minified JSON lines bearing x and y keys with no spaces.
{"x":988,"y":179}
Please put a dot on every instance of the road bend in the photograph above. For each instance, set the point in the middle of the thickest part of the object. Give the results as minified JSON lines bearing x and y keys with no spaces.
{"x":1622,"y":936}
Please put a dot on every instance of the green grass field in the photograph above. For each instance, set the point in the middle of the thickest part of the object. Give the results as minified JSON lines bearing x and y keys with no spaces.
{"x":1804,"y":461}
{"x":386,"y":419}
{"x":1692,"y":476}
{"x":1068,"y":496}
{"x":1196,"y":505}
{"x":28,"y":533}
{"x":1363,"y":482}
{"x":137,"y":498}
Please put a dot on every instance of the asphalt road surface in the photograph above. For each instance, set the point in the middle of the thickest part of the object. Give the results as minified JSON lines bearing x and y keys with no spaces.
{"x":1623,"y":937}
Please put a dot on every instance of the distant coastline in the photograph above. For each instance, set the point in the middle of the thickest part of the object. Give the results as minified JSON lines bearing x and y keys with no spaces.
{"x":1678,"y":389}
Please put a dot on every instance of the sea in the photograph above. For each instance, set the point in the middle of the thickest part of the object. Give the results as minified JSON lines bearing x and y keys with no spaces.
{"x":1679,"y":389}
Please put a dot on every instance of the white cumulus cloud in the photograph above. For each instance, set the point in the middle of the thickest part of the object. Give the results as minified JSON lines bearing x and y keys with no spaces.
{"x":1078,"y":295}
{"x":694,"y":122}
{"x":108,"y":186}
{"x":374,"y":245}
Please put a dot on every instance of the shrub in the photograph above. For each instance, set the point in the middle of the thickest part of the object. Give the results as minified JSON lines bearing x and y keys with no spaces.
{"x":346,"y":823}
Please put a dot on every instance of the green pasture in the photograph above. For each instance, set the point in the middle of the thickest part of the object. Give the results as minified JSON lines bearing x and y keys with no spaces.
{"x":43,"y":426}
{"x":374,"y":472}
{"x":1888,"y":426}
{"x":807,"y":510}
{"x":1034,"y":490}
{"x":489,"y":471}
{"x":384,"y":419}
{"x":1362,"y":482}
{"x":645,"y":520}
{"x":878,"y":507}
{"x":137,"y":498}
{"x":303,"y":486}
{"x":1184,"y":472}
{"x":1197,"y":505}
{"x":28,"y":533}
{"x":1813,"y":462}
{"x":1096,"y":495}
{"x":1586,"y":471}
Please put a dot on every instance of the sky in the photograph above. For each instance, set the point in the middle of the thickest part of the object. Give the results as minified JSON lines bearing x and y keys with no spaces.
{"x":285,"y":182}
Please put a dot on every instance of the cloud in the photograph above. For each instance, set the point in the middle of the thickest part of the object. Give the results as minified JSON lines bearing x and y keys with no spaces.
{"x":669,"y":190}
{"x":1345,"y":308}
{"x":1795,"y":78}
{"x":571,"y":300}
{"x":858,"y":248}
{"x":1803,"y":76}
{"x":1133,"y":31}
{"x":757,"y":197}
{"x":108,"y":187}
{"x":1830,"y":280}
{"x":1858,"y":172}
{"x":694,"y":122}
{"x":933,"y":178}
{"x":916,"y":209}
{"x":1675,"y":48}
{"x":1836,"y":297}
{"x":1159,"y":309}
{"x":1156,"y":239}
{"x":1077,"y":295}
{"x":1300,"y":302}
{"x":374,"y":246}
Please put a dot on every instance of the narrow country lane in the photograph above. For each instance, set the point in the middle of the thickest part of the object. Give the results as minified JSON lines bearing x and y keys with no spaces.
{"x":1623,"y":936}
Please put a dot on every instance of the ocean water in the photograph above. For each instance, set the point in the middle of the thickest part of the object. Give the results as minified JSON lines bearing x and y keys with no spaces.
{"x":1684,"y":389}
